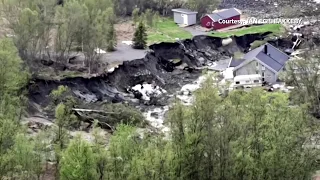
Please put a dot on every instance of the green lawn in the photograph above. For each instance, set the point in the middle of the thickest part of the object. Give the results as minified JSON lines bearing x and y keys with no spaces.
{"x":276,"y":29}
{"x":166,"y":31}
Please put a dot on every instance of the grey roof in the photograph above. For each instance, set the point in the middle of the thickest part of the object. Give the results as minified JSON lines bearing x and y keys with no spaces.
{"x":236,"y":62}
{"x":253,"y":53}
{"x":274,"y":58}
{"x":215,"y":16}
{"x":228,"y":13}
{"x":224,"y":14}
{"x":185,"y":11}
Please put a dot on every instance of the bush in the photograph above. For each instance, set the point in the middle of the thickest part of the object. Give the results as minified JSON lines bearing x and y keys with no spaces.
{"x":125,"y":114}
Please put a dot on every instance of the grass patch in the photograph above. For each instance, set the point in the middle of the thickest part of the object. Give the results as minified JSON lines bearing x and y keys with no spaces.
{"x":257,"y":43}
{"x":276,"y":29}
{"x":238,"y":55}
{"x":166,"y":30}
{"x":175,"y":61}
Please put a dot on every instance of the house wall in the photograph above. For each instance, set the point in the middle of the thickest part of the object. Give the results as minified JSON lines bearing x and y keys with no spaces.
{"x":252,"y":68}
{"x":206,"y":21}
{"x":247,"y":69}
{"x":192,"y":19}
{"x":269,"y":76}
{"x":177,"y":18}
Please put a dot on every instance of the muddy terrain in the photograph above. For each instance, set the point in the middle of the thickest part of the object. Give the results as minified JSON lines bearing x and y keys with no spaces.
{"x":167,"y":65}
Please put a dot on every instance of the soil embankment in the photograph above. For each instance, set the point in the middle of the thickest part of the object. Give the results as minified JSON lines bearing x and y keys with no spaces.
{"x":167,"y":65}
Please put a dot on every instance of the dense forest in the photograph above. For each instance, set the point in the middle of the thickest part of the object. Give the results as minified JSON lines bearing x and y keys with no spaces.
{"x":244,"y":136}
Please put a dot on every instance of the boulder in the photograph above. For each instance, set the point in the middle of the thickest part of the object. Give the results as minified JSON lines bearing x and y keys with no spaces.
{"x":226,"y":41}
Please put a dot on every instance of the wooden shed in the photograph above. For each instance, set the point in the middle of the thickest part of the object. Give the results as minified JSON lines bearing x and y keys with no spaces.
{"x":184,"y":16}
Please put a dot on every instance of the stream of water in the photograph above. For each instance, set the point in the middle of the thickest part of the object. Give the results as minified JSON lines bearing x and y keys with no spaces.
{"x":156,"y":116}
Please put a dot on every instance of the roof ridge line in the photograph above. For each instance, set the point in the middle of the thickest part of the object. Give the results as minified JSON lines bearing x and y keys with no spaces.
{"x":277,"y":49}
{"x":273,"y":59}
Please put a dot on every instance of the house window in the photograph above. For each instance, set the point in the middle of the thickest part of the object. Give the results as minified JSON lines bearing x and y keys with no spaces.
{"x":247,"y":81}
{"x":257,"y":72}
{"x":256,"y":81}
{"x":262,"y":74}
{"x":257,"y":64}
{"x":237,"y":82}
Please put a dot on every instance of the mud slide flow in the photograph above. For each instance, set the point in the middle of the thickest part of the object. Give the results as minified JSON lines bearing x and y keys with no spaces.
{"x":168,"y":65}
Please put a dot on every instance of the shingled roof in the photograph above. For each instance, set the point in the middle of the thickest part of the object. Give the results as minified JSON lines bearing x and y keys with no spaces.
{"x":185,"y":11}
{"x":224,"y":14}
{"x":215,"y":17}
{"x":273,"y":57}
{"x":228,"y":13}
{"x":235,"y":62}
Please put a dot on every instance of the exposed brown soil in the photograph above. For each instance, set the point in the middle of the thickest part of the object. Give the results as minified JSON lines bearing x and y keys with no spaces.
{"x":49,"y":172}
{"x":316,"y":178}
{"x":125,"y":31}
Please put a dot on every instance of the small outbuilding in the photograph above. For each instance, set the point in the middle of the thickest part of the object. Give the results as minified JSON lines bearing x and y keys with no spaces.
{"x":184,"y":16}
{"x":221,"y":19}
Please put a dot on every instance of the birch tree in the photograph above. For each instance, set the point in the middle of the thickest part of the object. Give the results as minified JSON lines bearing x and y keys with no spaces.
{"x":72,"y":23}
{"x":303,"y":74}
{"x":31,"y":23}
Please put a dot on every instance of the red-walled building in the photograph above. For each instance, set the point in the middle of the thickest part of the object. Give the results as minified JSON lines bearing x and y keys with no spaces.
{"x":221,"y":19}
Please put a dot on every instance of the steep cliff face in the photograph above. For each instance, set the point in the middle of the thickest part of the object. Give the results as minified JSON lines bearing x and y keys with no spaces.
{"x":168,"y":65}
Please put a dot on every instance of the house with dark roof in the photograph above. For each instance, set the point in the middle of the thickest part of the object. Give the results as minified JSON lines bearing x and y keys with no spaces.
{"x":184,"y":16}
{"x":221,"y":19}
{"x":266,"y":60}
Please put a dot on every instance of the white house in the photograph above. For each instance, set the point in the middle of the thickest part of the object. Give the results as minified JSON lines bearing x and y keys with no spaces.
{"x":266,"y":60}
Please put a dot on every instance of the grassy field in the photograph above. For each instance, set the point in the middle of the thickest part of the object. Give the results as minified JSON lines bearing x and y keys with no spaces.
{"x":276,"y":29}
{"x":166,"y":31}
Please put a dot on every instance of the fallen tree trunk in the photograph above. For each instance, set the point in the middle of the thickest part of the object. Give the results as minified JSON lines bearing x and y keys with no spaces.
{"x":93,"y":110}
{"x":81,"y":114}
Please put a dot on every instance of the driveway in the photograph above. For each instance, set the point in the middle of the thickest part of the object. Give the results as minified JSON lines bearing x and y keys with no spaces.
{"x":195,"y":30}
{"x":123,"y":52}
{"x":220,"y":65}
